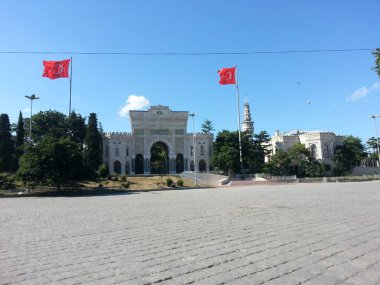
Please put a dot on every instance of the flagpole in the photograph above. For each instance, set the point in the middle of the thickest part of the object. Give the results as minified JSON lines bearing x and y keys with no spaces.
{"x":71,"y":77}
{"x":238,"y":108}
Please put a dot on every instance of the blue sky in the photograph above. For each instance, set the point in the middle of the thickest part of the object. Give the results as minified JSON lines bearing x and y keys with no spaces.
{"x":341,"y":87}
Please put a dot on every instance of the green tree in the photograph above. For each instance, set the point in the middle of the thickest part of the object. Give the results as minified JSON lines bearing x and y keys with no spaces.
{"x":357,"y":149}
{"x":226,"y":152}
{"x":376,"y":53}
{"x":298,"y":161}
{"x":348,"y":155}
{"x":158,"y":160}
{"x":372,"y":143}
{"x":20,"y":137}
{"x":207,"y":127}
{"x":52,"y":161}
{"x":258,"y":150}
{"x":7,"y":153}
{"x":76,"y":128}
{"x":279,"y":164}
{"x":49,"y":123}
{"x":299,"y":158}
{"x":342,"y":159}
{"x":93,"y":150}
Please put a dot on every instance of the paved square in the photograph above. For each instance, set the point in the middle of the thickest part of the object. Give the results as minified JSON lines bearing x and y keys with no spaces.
{"x":284,"y":234}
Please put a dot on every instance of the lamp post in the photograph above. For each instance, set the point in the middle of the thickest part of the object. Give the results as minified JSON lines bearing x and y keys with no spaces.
{"x":31,"y":98}
{"x":377,"y":137}
{"x":194,"y":156}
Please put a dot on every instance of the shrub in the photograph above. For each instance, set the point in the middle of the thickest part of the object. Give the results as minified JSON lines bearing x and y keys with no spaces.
{"x":123,"y":178}
{"x":180,"y":182}
{"x":126,"y":184}
{"x":103,"y":171}
{"x":115,"y":177}
{"x":7,"y":182}
{"x":169,"y":182}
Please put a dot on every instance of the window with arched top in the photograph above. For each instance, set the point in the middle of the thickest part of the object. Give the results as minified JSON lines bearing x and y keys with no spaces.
{"x":313,"y":150}
{"x":326,"y":151}
{"x":117,"y":167}
{"x":192,"y":165}
{"x":191,"y":150}
{"x":117,"y":150}
{"x":202,"y":165}
{"x":127,"y":151}
{"x":202,"y":150}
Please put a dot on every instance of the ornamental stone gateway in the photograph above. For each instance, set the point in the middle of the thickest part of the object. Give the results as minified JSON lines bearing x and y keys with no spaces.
{"x":159,"y":137}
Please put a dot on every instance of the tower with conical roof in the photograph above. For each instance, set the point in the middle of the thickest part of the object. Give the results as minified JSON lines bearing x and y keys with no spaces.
{"x":247,"y":124}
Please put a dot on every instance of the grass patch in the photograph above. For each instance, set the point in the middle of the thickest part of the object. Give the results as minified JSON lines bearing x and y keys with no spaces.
{"x":104,"y":186}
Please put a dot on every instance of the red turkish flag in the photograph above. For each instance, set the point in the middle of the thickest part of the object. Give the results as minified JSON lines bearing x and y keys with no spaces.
{"x":227,"y":76}
{"x":56,"y":69}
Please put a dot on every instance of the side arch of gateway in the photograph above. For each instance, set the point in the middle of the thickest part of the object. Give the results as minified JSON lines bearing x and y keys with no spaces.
{"x":158,"y":143}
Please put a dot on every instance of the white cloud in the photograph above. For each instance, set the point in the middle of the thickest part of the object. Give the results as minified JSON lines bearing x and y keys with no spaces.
{"x":363,"y":92}
{"x":358,"y":94}
{"x":25,"y":110}
{"x":375,"y":86}
{"x":133,"y":103}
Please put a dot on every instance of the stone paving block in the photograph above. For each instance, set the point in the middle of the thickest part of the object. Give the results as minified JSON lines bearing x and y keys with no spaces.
{"x":322,"y":280}
{"x":369,"y":277}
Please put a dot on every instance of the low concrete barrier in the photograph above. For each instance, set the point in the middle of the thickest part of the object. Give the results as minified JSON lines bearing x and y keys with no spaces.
{"x":207,"y":178}
{"x":365,"y":171}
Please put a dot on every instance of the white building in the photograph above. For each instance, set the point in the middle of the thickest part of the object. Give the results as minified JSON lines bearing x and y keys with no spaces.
{"x":321,"y":144}
{"x":158,"y":129}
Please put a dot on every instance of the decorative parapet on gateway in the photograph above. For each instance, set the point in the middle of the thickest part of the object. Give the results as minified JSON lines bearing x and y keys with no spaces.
{"x":201,"y":135}
{"x":117,"y":134}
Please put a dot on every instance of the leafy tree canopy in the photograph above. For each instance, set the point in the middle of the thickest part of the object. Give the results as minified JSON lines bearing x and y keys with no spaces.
{"x":94,"y":145}
{"x":49,"y":123}
{"x":348,"y":155}
{"x":7,"y":151}
{"x":52,"y":161}
{"x":296,"y":161}
{"x":226,"y":151}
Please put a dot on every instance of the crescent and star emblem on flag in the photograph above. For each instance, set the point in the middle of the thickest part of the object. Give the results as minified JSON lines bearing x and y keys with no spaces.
{"x":227,"y":76}
{"x":56,"y":69}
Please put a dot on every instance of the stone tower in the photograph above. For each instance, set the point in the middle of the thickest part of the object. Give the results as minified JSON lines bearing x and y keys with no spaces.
{"x":247,"y":124}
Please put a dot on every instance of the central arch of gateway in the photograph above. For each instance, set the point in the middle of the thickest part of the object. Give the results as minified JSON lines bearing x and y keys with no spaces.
{"x":159,"y":143}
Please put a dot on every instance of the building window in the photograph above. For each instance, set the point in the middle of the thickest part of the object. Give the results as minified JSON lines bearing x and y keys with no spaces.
{"x":326,"y":151}
{"x":117,"y":150}
{"x":127,"y":151}
{"x":191,"y":151}
{"x":313,"y":150}
{"x":107,"y":151}
{"x":202,"y":150}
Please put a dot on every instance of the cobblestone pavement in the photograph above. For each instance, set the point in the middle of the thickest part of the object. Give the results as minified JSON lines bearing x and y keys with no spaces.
{"x":280,"y":234}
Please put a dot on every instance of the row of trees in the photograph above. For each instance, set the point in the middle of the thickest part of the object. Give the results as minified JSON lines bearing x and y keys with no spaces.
{"x":297,"y":160}
{"x":69,"y":148}
{"x":62,"y":148}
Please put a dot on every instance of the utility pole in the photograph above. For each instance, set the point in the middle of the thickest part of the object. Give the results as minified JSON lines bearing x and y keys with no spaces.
{"x":31,"y":98}
{"x":194,"y":156}
{"x":377,"y":137}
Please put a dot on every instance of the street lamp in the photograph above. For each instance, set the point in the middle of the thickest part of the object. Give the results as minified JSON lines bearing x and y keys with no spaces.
{"x":194,"y":156}
{"x":377,"y":137}
{"x":31,"y":98}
